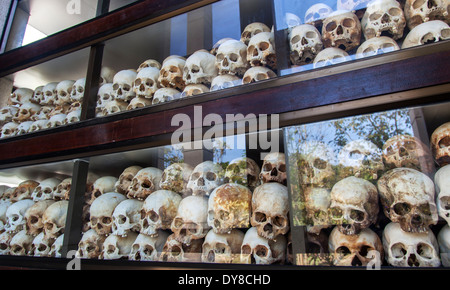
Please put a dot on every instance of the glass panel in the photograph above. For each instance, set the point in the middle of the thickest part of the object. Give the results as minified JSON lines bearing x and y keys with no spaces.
{"x":362,"y":182}
{"x":333,"y":32}
{"x":33,"y":209}
{"x":116,"y":4}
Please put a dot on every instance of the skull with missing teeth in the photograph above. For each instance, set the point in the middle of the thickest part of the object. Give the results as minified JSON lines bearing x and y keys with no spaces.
{"x":205,"y":178}
{"x":341,"y":29}
{"x":144,"y":183}
{"x":274,"y":168}
{"x":381,"y":17}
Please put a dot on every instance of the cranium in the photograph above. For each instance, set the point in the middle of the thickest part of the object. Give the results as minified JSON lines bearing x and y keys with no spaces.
{"x":317,"y":207}
{"x":145,"y":182}
{"x":149,"y":63}
{"x":54,"y":218}
{"x":270,"y":208}
{"x":274,"y":168}
{"x":38,"y":125}
{"x":174,"y":251}
{"x":41,"y":245}
{"x":21,"y":96}
{"x":4,"y":204}
{"x":21,"y":244}
{"x":26,"y":112}
{"x":218,"y":44}
{"x":146,"y":82}
{"x":256,"y":249}
{"x":33,"y":217}
{"x":200,"y":68}
{"x":15,"y":215}
{"x":190,"y":222}
{"x":43,"y":113}
{"x":114,"y":107}
{"x":231,"y":58}
{"x":5,"y":241}
{"x":229,"y":207}
{"x":78,"y":90}
{"x":205,"y":177}
{"x":355,"y":250}
{"x":354,"y":205}
{"x":45,"y":189}
{"x":117,"y":247}
{"x":123,"y":85}
{"x":341,"y":29}
{"x":444,"y":245}
{"x":56,"y":248}
{"x":253,"y":29}
{"x":146,"y":248}
{"x":158,"y":211}
{"x":440,"y":144}
{"x":176,"y":177}
{"x":375,"y":46}
{"x":38,"y":95}
{"x":102,"y":185}
{"x":139,"y":102}
{"x":315,"y":164}
{"x":101,"y":212}
{"x":221,"y":82}
{"x":56,"y":121}
{"x":316,"y":13}
{"x":24,"y":190}
{"x":428,"y":32}
{"x":305,"y":43}
{"x":421,"y":11}
{"x":9,"y":129}
{"x":63,"y":92}
{"x":244,"y":171}
{"x":104,"y":95}
{"x":193,"y":90}
{"x":7,"y":113}
{"x":222,"y":248}
{"x":49,"y":94}
{"x":106,"y":75}
{"x":90,"y":245}
{"x":330,"y":56}
{"x":125,"y":178}
{"x":166,"y":95}
{"x":407,"y":196}
{"x":442,"y":183}
{"x":126,"y":217}
{"x":261,"y":50}
{"x":383,"y":17}
{"x":405,"y":249}
{"x":73,"y":117}
{"x":171,"y":73}
{"x":23,"y":128}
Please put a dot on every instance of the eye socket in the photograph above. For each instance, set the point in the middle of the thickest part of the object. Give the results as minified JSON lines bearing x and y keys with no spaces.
{"x":264,"y":45}
{"x":348,"y":22}
{"x":357,"y":215}
{"x":343,"y":251}
{"x":295,"y":39}
{"x":234,"y":57}
{"x":279,"y":221}
{"x":106,"y":220}
{"x":394,"y":11}
{"x":331,"y":26}
{"x":211,"y":176}
{"x":425,"y":251}
{"x":417,"y":4}
{"x":401,"y":208}
{"x":261,"y":251}
{"x":398,"y":250}
{"x":336,"y":212}
{"x":374,"y":16}
{"x":260,"y":217}
{"x":220,"y":57}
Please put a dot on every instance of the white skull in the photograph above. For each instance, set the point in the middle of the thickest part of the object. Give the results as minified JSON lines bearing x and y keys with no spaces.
{"x":440,"y":144}
{"x":256,"y":249}
{"x":139,"y":102}
{"x":56,"y":120}
{"x":117,"y":247}
{"x":24,"y":128}
{"x":90,"y":245}
{"x":354,"y":205}
{"x":54,"y":218}
{"x":158,"y":211}
{"x":43,"y":113}
{"x":383,"y":17}
{"x":9,"y":130}
{"x":191,"y":220}
{"x":193,"y":90}
{"x":200,"y":68}
{"x":125,"y":178}
{"x":176,"y":177}
{"x":355,"y":250}
{"x":428,"y":32}
{"x":21,"y":96}
{"x":78,"y":90}
{"x":21,"y":244}
{"x":421,"y":11}
{"x":222,"y":248}
{"x":56,"y":248}
{"x":261,"y":50}
{"x":149,"y":63}
{"x":146,"y":82}
{"x":253,"y":29}
{"x":146,"y":248}
{"x":274,"y":168}
{"x":41,"y":245}
{"x":24,"y":190}
{"x":407,"y":196}
{"x":73,"y":117}
{"x":442,"y":183}
{"x":316,"y":164}
{"x":341,"y":29}
{"x":38,"y":95}
{"x":205,"y":177}
{"x":104,"y":95}
{"x":5,"y":242}
{"x":405,"y":249}
{"x":216,"y":46}
{"x":4,"y":204}
{"x":330,"y":56}
{"x":145,"y":182}
{"x":102,"y":185}
{"x":222,"y":82}
{"x":126,"y":217}
{"x":64,"y":92}
{"x":174,"y":251}
{"x":123,"y":85}
{"x":15,"y":215}
{"x":45,"y":189}
{"x":317,"y":207}
{"x":231,"y":58}
{"x":444,"y":245}
{"x":113,"y":107}
{"x":316,"y":13}
{"x":171,"y":73}
{"x":229,"y":207}
{"x":49,"y":94}
{"x":305,"y":43}
{"x":101,"y":212}
{"x":33,"y":217}
{"x":7,"y":113}
{"x":106,"y":75}
{"x":375,"y":46}
{"x":26,"y":112}
{"x":244,"y":171}
{"x":38,"y":125}
{"x":166,"y":95}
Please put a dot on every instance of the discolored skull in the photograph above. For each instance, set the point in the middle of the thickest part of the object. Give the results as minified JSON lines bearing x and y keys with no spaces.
{"x":146,"y":248}
{"x":117,"y":247}
{"x":123,"y":85}
{"x":114,"y":107}
{"x":171,"y":73}
{"x":341,"y":29}
{"x":41,"y":245}
{"x":33,"y":217}
{"x":45,"y":189}
{"x":375,"y":46}
{"x":243,"y":171}
{"x":222,"y":248}
{"x":442,"y":183}
{"x":421,"y":11}
{"x":305,"y":43}
{"x":139,"y":102}
{"x":56,"y":248}
{"x":4,"y":204}
{"x":407,"y":196}
{"x":101,"y":212}
{"x":315,"y":164}
{"x":145,"y":182}
{"x":54,"y":219}
{"x":174,"y":251}
{"x":176,"y":177}
{"x":56,"y":120}
{"x":63,"y":189}
{"x":274,"y":168}
{"x":90,"y":245}
{"x":258,"y":73}
{"x":205,"y":177}
{"x":383,"y":17}
{"x":146,"y":83}
{"x":261,"y":50}
{"x":38,"y":95}
{"x":102,"y":185}
{"x":5,"y":241}
{"x":317,"y":207}
{"x":440,"y":144}
{"x":200,"y":68}
{"x":26,"y":112}
{"x":425,"y":33}
{"x":251,"y":30}
{"x":7,"y":113}
{"x":9,"y":129}
{"x":330,"y":56}
{"x":125,"y":179}
{"x":21,"y":244}
{"x":149,"y":63}
{"x":24,"y":190}
{"x":258,"y":250}
{"x":231,"y":58}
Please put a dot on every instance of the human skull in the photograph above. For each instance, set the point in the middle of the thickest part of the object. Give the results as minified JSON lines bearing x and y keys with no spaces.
{"x":261,"y":50}
{"x":231,"y":58}
{"x":102,"y":185}
{"x":104,"y":95}
{"x":243,"y":171}
{"x":33,"y":217}
{"x":38,"y":95}
{"x":123,"y":85}
{"x":21,"y":244}
{"x":354,"y":205}
{"x":216,"y":46}
{"x":23,"y":128}
{"x":229,"y":207}
{"x":147,"y":248}
{"x":164,"y":95}
{"x":45,"y":189}
{"x":375,"y":46}
{"x":15,"y":215}
{"x":174,"y":251}
{"x":257,"y":73}
{"x":274,"y":168}
{"x":205,"y":177}
{"x":146,"y":82}
{"x":222,"y":82}
{"x":21,"y":96}
{"x":428,"y":32}
{"x":5,"y":241}
{"x":117,"y":247}
{"x":56,"y":120}
{"x":190,"y":222}
{"x":407,"y":151}
{"x":106,"y":75}
{"x":421,"y":11}
{"x":101,"y":212}
{"x":355,"y":250}
{"x":114,"y":107}
{"x":9,"y":129}
{"x":38,"y":125}
{"x":126,"y":217}
{"x":90,"y":245}
{"x":193,"y":90}
{"x":26,"y":112}
{"x":54,"y":218}
{"x":270,"y":208}
{"x":407,"y":196}
{"x":43,"y":113}
{"x":78,"y":90}
{"x":305,"y":43}
{"x":341,"y":29}
{"x":41,"y":245}
{"x":316,"y":13}
{"x":442,"y":183}
{"x":259,"y":250}
{"x":222,"y":248}
{"x":291,"y":20}
{"x":444,"y":245}
{"x":24,"y":190}
{"x":49,"y":94}
{"x":406,"y":249}
{"x":171,"y":73}
{"x":8,"y":194}
{"x":64,"y":92}
{"x":158,"y":211}
{"x":73,"y":116}
{"x":440,"y":144}
{"x":56,"y":248}
{"x":317,"y":208}
{"x":200,"y":68}
{"x":176,"y":177}
{"x":315,"y":164}
{"x":383,"y":17}
{"x":330,"y":56}
{"x":4,"y":204}
{"x":7,"y":113}
{"x":139,"y":102}
{"x":149,"y":63}
{"x":252,"y":29}
{"x":145,"y":182}
{"x":125,"y":178}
